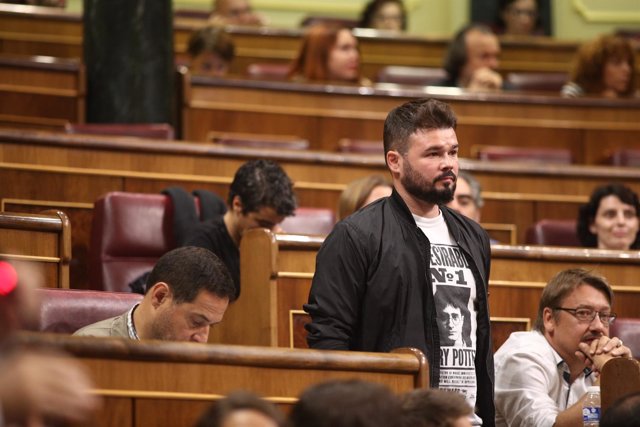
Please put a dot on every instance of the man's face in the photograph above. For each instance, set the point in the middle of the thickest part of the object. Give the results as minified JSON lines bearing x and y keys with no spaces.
{"x":564,"y":331}
{"x":483,"y":51}
{"x":264,"y":217}
{"x":429,"y":169}
{"x":188,"y":321}
{"x":209,"y":64}
{"x":451,"y":324}
{"x":236,"y":11}
{"x":463,"y":201}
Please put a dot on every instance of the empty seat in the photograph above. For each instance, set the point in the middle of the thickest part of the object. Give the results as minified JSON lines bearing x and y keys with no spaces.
{"x":553,"y":232}
{"x":309,"y":21}
{"x":527,"y":81}
{"x":420,"y":76}
{"x":130,"y":231}
{"x":310,"y":221}
{"x":363,"y":146}
{"x":139,"y":130}
{"x":628,"y":330}
{"x":67,"y":310}
{"x":625,"y":157}
{"x":523,"y":154}
{"x":252,"y":140}
{"x":268,"y":71}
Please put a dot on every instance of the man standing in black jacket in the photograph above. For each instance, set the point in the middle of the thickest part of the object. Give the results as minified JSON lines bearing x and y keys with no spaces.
{"x":380,"y":272}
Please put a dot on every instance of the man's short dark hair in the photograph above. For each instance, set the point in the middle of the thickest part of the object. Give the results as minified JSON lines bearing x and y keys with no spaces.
{"x":346,"y":403}
{"x":189,"y":270}
{"x":263,"y":183}
{"x":211,"y":39}
{"x":413,"y":116}
{"x":456,"y":57}
{"x":625,"y":412}
{"x":433,"y":408}
{"x":588,"y":212}
{"x":216,"y":414}
{"x":562,"y":284}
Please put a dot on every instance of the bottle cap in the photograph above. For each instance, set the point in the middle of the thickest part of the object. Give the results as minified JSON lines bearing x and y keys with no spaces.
{"x":593,"y":389}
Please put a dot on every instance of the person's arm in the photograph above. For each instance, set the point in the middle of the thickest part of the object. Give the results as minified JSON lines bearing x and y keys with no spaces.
{"x":522,"y":391}
{"x":572,"y":416}
{"x":336,"y":290}
{"x":35,"y":387}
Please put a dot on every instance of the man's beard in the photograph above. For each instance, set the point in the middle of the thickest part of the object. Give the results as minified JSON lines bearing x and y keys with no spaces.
{"x":426,"y":191}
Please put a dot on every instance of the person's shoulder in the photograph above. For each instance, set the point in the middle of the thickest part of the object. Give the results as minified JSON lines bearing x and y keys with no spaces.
{"x":572,"y":90}
{"x":111,"y":327}
{"x":205,"y":228}
{"x":523,"y":342}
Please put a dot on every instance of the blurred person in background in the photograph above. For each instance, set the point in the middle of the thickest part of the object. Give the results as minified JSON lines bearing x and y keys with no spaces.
{"x":234,"y":12}
{"x":389,"y":15}
{"x":519,"y":18}
{"x":329,"y":53}
{"x":603,"y":67}
{"x":211,"y":51}
{"x":361,"y":192}
{"x":610,"y":219}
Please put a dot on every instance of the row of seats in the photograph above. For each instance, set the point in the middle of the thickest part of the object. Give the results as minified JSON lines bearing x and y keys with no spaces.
{"x":130,"y":231}
{"x":67,"y":310}
{"x":424,"y":76}
{"x":620,"y":157}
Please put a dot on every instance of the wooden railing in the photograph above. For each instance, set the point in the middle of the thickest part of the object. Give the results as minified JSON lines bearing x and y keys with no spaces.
{"x":42,"y":240}
{"x":171,"y":383}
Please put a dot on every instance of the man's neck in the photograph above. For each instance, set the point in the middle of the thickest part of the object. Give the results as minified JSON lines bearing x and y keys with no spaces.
{"x":230,"y":222}
{"x":417,"y":206}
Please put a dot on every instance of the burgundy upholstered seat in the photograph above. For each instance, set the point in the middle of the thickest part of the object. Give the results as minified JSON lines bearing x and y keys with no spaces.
{"x":363,"y":146}
{"x":528,"y":81}
{"x":420,"y":76}
{"x":523,"y":154}
{"x":553,"y":232}
{"x":625,"y":157}
{"x":130,"y":231}
{"x":628,"y":330}
{"x":310,"y":221}
{"x":67,"y":310}
{"x":139,"y":130}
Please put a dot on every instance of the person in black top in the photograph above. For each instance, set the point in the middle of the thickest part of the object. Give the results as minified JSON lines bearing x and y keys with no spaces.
{"x":260,"y":196}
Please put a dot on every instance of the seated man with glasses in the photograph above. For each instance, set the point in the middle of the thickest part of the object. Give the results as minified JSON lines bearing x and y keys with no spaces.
{"x":542,"y":376}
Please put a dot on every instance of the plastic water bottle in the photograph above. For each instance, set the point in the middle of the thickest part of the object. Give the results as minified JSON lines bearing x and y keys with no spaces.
{"x":591,"y":407}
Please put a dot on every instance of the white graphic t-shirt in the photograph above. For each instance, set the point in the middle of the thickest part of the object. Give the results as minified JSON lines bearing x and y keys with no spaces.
{"x":454,"y":290}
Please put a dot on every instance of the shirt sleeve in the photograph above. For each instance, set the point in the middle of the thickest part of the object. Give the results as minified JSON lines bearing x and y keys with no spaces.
{"x":336,"y":290}
{"x":522,"y":391}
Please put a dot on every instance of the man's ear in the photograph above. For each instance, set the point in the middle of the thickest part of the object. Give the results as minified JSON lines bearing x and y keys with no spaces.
{"x":394,"y":161}
{"x":160,"y":294}
{"x":236,"y":205}
{"x":548,"y":319}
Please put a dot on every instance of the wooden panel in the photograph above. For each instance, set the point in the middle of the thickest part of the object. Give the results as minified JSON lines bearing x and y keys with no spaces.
{"x":324,"y":114}
{"x":43,"y":240}
{"x":620,"y":377}
{"x":80,"y":216}
{"x":174,"y":382}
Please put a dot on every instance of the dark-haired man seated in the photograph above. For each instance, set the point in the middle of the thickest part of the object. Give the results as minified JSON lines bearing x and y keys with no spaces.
{"x":188,"y":291}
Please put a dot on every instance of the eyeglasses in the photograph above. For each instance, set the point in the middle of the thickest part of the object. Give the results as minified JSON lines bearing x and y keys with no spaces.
{"x":588,"y":314}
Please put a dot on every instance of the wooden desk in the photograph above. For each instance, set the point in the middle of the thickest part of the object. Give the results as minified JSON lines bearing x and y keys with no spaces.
{"x":153,"y":383}
{"x":43,"y":170}
{"x":323,"y":114}
{"x":620,"y":377}
{"x":43,"y":240}
{"x":41,"y":92}
{"x":276,"y":271}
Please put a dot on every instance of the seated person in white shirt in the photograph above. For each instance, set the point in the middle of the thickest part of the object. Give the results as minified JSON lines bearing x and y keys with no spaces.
{"x":542,"y":375}
{"x":188,"y":291}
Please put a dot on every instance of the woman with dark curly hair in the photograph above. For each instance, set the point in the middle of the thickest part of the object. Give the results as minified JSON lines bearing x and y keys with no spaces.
{"x":610,"y":220}
{"x":384,"y":15}
{"x":603,"y":67}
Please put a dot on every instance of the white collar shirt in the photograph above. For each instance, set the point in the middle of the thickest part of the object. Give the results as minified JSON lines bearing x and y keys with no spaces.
{"x":532,"y":382}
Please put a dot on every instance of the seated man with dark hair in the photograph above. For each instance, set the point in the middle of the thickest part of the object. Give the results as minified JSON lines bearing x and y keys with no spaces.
{"x":261,"y":195}
{"x":435,"y":408}
{"x":188,"y":290}
{"x":234,"y":12}
{"x":242,"y":409}
{"x":211,"y":51}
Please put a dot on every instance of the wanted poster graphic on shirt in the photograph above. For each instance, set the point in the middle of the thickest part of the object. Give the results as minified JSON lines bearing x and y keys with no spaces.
{"x":454,"y":294}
